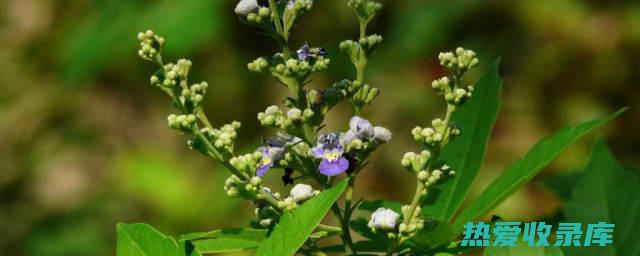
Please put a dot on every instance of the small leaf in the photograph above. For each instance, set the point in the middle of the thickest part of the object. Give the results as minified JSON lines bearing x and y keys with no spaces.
{"x":294,"y":228}
{"x":465,"y":153}
{"x":606,"y":192}
{"x":142,"y":240}
{"x":525,"y":169}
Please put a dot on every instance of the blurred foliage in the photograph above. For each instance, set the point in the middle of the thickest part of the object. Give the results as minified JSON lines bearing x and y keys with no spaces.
{"x":83,"y":139}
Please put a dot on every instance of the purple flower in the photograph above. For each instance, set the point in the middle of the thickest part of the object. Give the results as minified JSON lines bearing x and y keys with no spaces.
{"x":305,"y":52}
{"x":330,"y":150}
{"x":273,"y":151}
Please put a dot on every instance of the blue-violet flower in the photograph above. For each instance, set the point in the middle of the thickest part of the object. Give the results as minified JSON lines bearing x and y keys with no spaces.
{"x":330,"y":150}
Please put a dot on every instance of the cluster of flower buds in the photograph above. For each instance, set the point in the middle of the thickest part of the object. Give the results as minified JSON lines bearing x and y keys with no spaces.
{"x":430,"y":178}
{"x":453,"y":95}
{"x":262,"y":16}
{"x":363,"y":48}
{"x":383,"y":219}
{"x":275,"y":117}
{"x":222,"y":139}
{"x":299,"y":68}
{"x":150,"y":45}
{"x":195,"y":93}
{"x":459,"y":61}
{"x":235,"y":186}
{"x":358,"y":93}
{"x":175,"y":74}
{"x":182,"y":123}
{"x":435,"y":134}
{"x":415,"y":162}
{"x":414,"y":225}
{"x":364,"y":9}
{"x":362,"y":135}
{"x":246,"y":163}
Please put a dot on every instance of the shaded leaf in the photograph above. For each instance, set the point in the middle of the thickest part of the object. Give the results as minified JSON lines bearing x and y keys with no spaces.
{"x":435,"y":233}
{"x":294,"y":228}
{"x":465,"y":153}
{"x":525,"y":169}
{"x":606,"y":192}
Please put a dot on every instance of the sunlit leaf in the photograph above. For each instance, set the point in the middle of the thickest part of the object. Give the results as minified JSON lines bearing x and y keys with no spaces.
{"x":294,"y":228}
{"x":525,"y":169}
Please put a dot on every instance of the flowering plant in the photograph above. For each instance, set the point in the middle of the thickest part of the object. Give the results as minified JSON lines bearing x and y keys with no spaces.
{"x":322,"y":166}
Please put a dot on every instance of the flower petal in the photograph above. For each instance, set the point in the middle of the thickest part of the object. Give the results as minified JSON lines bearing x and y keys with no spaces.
{"x":262,"y":169}
{"x":333,"y":168}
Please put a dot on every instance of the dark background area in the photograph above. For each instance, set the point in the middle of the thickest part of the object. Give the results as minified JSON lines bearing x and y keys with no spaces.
{"x":83,"y":136}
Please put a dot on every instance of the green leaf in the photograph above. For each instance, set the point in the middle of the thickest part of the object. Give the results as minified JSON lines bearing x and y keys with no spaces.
{"x":294,"y":228}
{"x":225,"y":240}
{"x":465,"y":153}
{"x":142,"y":240}
{"x":522,"y":249}
{"x":606,"y":192}
{"x":525,"y":169}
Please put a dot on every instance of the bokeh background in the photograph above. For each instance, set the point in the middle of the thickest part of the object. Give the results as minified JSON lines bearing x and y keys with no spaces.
{"x":83,"y":136}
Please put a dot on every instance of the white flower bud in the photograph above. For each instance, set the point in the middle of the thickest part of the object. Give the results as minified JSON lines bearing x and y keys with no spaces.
{"x":245,"y":7}
{"x":384,"y":219}
{"x":381,"y":134}
{"x":301,"y":192}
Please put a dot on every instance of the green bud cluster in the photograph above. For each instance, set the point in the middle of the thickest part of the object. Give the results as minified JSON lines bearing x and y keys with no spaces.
{"x":182,"y":123}
{"x":288,"y":204}
{"x":363,"y":49}
{"x":293,"y":10}
{"x":414,"y":225}
{"x":247,"y":163}
{"x":222,"y":139}
{"x":431,"y":178}
{"x":454,"y":96}
{"x":150,"y":45}
{"x":262,"y":17}
{"x":364,"y":9}
{"x":273,"y":116}
{"x":415,"y":162}
{"x":235,"y":186}
{"x":459,"y":61}
{"x":175,"y":74}
{"x":435,"y":134}
{"x":195,"y":93}
{"x":289,"y":69}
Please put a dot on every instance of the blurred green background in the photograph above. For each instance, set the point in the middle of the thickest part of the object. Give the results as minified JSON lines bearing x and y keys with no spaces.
{"x":83,"y":136}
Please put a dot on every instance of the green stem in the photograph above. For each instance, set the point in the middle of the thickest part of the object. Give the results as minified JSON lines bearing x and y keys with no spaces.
{"x":280,"y":29}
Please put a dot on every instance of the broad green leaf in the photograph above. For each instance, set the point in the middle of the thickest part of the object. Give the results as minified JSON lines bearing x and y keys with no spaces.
{"x":606,"y":192}
{"x":294,"y":228}
{"x":522,"y":249}
{"x":465,"y":153}
{"x":525,"y":169}
{"x":224,"y":240}
{"x":142,"y":240}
